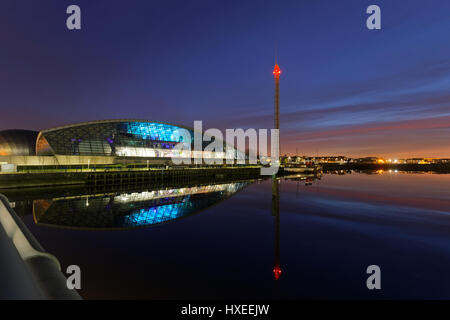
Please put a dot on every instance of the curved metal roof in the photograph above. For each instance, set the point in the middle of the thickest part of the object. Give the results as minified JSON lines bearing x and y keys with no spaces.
{"x":18,"y":142}
{"x":111,"y":121}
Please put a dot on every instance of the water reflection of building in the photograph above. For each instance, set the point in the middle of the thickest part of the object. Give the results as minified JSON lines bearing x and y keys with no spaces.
{"x":129,"y":210}
{"x":307,"y":178}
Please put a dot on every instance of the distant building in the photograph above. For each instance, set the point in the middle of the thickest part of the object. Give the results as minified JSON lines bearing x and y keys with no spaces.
{"x":441,"y":161}
{"x":414,"y":161}
{"x":367,"y":160}
{"x":317,"y":160}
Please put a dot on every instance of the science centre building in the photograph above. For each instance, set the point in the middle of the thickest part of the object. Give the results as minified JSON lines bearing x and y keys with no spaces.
{"x":102,"y":142}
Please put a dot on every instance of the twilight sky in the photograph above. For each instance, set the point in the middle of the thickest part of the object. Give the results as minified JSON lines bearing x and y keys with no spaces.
{"x":344,"y":89}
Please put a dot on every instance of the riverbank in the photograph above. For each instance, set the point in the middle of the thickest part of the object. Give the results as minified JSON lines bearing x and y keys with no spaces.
{"x":438,"y":168}
{"x":123,"y":177}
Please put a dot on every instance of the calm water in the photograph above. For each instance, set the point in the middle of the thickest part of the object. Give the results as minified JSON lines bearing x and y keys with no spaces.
{"x":223,"y":241}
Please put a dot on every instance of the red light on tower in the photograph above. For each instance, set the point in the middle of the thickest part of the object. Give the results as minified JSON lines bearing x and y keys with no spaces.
{"x":276,"y":71}
{"x":277,"y":272}
{"x":276,"y":74}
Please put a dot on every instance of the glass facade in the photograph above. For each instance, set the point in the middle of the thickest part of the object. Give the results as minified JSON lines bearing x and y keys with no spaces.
{"x":112,"y":138}
{"x":121,"y":138}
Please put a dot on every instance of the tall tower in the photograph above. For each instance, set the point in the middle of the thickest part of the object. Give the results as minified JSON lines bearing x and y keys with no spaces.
{"x":276,"y":74}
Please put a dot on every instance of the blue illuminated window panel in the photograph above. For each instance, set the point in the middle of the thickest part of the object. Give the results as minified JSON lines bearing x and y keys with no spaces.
{"x":156,"y":214}
{"x":154,"y":131}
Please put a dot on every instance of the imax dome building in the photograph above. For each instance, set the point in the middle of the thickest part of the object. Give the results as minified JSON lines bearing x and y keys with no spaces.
{"x":18,"y":143}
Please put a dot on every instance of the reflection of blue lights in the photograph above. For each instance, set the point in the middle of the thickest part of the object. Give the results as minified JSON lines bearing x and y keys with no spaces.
{"x":156,"y":214}
{"x":154,"y":131}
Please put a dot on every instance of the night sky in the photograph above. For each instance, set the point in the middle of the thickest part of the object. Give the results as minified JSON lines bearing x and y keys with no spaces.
{"x":345,"y":90}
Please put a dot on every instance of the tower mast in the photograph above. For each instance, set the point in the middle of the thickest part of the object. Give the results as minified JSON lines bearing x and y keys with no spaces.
{"x":276,"y":74}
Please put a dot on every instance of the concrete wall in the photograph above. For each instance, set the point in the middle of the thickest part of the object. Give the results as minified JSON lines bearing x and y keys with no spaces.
{"x":29,"y":160}
{"x":22,"y":180}
{"x":56,"y":160}
{"x":84,"y":160}
{"x":64,"y":160}
{"x":78,"y":160}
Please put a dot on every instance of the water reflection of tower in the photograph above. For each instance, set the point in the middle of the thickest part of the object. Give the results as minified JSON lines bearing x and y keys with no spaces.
{"x":276,"y":214}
